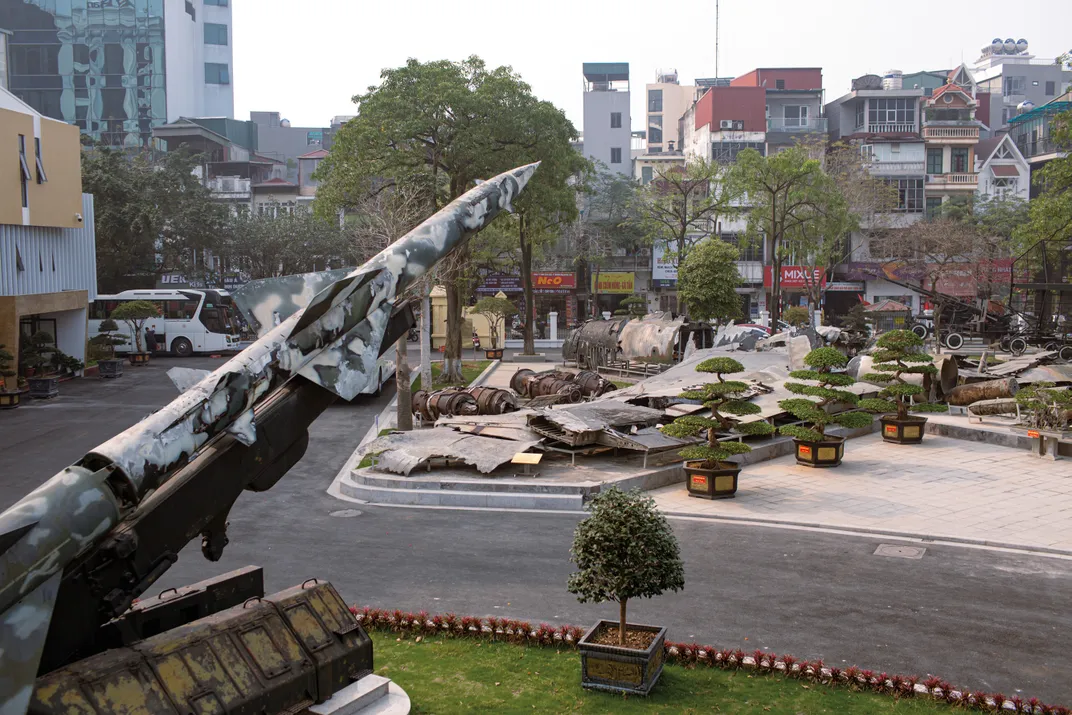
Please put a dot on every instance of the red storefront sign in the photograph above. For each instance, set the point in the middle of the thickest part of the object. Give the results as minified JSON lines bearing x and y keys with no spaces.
{"x":554,"y":280}
{"x":795,"y":277}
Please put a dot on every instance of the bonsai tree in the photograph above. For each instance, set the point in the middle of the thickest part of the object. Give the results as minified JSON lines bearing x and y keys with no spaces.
{"x":855,"y":328}
{"x":1043,"y":406}
{"x":797,"y":316}
{"x":38,"y":351}
{"x":624,"y":549}
{"x":899,"y":353}
{"x":106,"y":340}
{"x":634,"y":306}
{"x":5,"y":367}
{"x":719,"y":397}
{"x":62,"y":362}
{"x":495,"y":311}
{"x":822,"y":362}
{"x":134,"y":314}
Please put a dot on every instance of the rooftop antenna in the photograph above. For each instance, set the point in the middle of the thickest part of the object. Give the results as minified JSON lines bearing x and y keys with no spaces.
{"x":716,"y":41}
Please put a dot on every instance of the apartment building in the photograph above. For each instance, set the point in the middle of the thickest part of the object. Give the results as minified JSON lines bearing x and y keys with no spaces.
{"x":1031,"y":132}
{"x":1013,"y":76}
{"x":48,"y":261}
{"x":607,"y":134}
{"x":667,"y":101}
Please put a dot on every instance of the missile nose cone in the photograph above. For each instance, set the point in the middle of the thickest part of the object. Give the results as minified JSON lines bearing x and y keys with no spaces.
{"x":522,"y":174}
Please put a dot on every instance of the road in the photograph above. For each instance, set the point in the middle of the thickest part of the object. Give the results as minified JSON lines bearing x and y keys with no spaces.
{"x":981,"y":618}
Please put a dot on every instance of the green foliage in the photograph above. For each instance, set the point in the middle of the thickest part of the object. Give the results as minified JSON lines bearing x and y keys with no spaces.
{"x":823,"y":361}
{"x":105,"y":340}
{"x":496,"y":311}
{"x":38,"y":350}
{"x":1050,"y":213}
{"x":797,"y":316}
{"x":134,"y":314}
{"x":720,"y":366}
{"x":634,"y":306}
{"x":717,"y":453}
{"x":6,"y":358}
{"x":297,"y":241}
{"x":876,"y":405}
{"x":898,"y":353}
{"x":1044,"y":406}
{"x":707,"y":279}
{"x":625,"y":549}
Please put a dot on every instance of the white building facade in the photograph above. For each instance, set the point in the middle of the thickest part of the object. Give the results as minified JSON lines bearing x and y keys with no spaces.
{"x":607,"y":135}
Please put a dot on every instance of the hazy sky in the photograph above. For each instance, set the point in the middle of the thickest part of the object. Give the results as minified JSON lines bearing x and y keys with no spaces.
{"x":307,"y":59}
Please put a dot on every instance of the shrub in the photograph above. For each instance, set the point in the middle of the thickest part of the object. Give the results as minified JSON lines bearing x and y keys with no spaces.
{"x":105,"y":340}
{"x":899,"y":353}
{"x":822,"y":361}
{"x":1044,"y":406}
{"x":38,"y":351}
{"x":624,"y":549}
{"x":797,"y":316}
{"x":634,"y":306}
{"x":134,"y":314}
{"x":5,"y":366}
{"x":721,"y":396}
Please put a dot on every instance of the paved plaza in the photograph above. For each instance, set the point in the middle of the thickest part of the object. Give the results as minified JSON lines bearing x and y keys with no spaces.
{"x":941,"y":489}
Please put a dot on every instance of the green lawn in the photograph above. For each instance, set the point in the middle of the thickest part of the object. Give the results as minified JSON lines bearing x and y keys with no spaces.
{"x":447,"y":675}
{"x":471,"y":370}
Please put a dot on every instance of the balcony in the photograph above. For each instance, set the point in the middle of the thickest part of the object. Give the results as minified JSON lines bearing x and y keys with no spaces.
{"x":229,"y":188}
{"x":904,"y":128}
{"x":750,"y":271}
{"x":897,"y":168}
{"x":966,"y":182}
{"x":951,"y":135}
{"x":781,"y":124}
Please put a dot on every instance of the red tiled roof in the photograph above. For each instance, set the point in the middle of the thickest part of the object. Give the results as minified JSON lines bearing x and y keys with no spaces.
{"x":318,"y":154}
{"x":1005,"y":170}
{"x":888,"y":306}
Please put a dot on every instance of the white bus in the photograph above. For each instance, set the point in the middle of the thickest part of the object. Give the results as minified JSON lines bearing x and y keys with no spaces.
{"x":190,"y":321}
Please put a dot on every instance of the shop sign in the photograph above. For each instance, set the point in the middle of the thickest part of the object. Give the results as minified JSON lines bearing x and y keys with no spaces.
{"x":554,"y":280}
{"x":541,"y":283}
{"x":663,"y":263}
{"x":495,"y":282}
{"x":663,"y":283}
{"x":851,"y":286}
{"x":795,"y":277}
{"x":613,"y":282}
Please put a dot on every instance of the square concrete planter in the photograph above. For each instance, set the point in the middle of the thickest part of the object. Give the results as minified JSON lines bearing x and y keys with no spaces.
{"x":43,"y":388}
{"x":718,"y":483}
{"x":621,"y":670}
{"x":907,"y":431}
{"x":110,"y":368}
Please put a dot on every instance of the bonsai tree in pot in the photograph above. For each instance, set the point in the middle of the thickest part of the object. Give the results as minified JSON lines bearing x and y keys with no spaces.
{"x":134,"y":314}
{"x":710,"y":476}
{"x":625,"y":549}
{"x":37,"y":357}
{"x":495,"y":310}
{"x":899,"y":353}
{"x":634,"y":306}
{"x":108,"y":340}
{"x":9,"y":394}
{"x":813,"y":447}
{"x":1044,"y":407}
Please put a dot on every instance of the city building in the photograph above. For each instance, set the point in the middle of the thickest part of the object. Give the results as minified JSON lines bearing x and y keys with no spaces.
{"x":1007,"y":70}
{"x":5,"y":39}
{"x":279,"y":140}
{"x":607,"y":133}
{"x":793,"y":102}
{"x":119,"y":69}
{"x":667,"y":101}
{"x":951,"y":131}
{"x":48,"y":261}
{"x":1031,"y":132}
{"x":1001,"y":170}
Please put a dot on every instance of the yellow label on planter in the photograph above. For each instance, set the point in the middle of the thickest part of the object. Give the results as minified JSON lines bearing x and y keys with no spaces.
{"x":911,"y":432}
{"x":828,"y":453}
{"x":804,"y":450}
{"x":891,"y":430}
{"x":724,"y":484}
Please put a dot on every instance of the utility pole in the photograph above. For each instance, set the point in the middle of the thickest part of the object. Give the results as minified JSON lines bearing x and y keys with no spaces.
{"x":716,"y":41}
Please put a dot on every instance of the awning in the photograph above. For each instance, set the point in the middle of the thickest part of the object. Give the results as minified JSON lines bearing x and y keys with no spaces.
{"x":1005,"y":170}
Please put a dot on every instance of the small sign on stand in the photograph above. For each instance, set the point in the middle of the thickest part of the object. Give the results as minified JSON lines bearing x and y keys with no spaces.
{"x":527,"y":459}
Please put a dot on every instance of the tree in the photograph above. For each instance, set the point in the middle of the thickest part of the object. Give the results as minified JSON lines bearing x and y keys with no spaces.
{"x":105,"y":337}
{"x":607,"y":226}
{"x":625,"y":549}
{"x":720,"y":396}
{"x":822,"y":361}
{"x":707,"y":279}
{"x":495,"y":311}
{"x":1044,"y":406}
{"x":680,"y":207}
{"x":134,"y":314}
{"x":38,"y":351}
{"x":297,"y":241}
{"x":790,"y":195}
{"x":6,"y":358}
{"x":635,"y":306}
{"x":797,"y":316}
{"x":899,"y":353}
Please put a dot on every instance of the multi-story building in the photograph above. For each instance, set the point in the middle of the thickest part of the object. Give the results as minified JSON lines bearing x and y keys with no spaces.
{"x":118,"y":69}
{"x":48,"y":262}
{"x":1007,"y":70}
{"x":793,"y":102}
{"x":607,"y":135}
{"x":951,"y":132}
{"x":1032,"y":133}
{"x":667,"y":101}
{"x":279,"y":140}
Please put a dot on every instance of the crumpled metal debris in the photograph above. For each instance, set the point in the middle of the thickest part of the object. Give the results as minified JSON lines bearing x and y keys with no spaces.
{"x":402,"y":452}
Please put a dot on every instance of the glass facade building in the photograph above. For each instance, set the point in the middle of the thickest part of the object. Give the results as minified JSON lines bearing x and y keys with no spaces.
{"x":98,"y":64}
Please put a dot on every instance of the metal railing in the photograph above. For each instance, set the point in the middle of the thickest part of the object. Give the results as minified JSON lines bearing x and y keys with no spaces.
{"x":909,"y":128}
{"x":896,"y":167}
{"x":950,"y":132}
{"x":810,"y":124}
{"x":229,"y":186}
{"x":963,"y":179}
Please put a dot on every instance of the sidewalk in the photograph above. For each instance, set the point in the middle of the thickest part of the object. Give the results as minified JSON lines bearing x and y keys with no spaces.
{"x":941,"y":489}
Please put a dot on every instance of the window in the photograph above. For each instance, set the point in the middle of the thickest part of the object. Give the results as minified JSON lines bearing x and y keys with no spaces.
{"x":892,"y":111}
{"x":779,"y":84}
{"x":867,"y":153}
{"x":726,"y":152}
{"x":25,"y":172}
{"x":216,"y":73}
{"x":615,"y":155}
{"x":217,"y":3}
{"x":41,"y":178}
{"x":1051,"y":88}
{"x":958,"y":159}
{"x":190,"y":10}
{"x":655,"y":129}
{"x":215,"y":34}
{"x":795,"y":116}
{"x":315,"y":137}
{"x":934,"y":206}
{"x":615,"y":120}
{"x":748,"y":250}
{"x":1014,"y":85}
{"x":934,"y":161}
{"x":655,"y":100}
{"x":860,"y":113}
{"x":1003,"y":185}
{"x":646,"y":174}
{"x":909,"y":194}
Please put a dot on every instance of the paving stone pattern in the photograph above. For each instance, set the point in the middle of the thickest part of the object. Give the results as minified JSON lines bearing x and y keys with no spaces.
{"x":942,"y":488}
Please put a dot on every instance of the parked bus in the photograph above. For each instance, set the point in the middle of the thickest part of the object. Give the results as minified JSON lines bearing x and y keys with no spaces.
{"x":190,"y":321}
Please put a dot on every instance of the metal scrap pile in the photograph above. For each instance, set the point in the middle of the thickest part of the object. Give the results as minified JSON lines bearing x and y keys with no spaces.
{"x":572,"y":387}
{"x":453,"y":401}
{"x":655,"y":338}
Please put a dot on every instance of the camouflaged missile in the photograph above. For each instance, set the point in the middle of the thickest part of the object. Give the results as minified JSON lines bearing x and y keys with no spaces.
{"x":334,"y":342}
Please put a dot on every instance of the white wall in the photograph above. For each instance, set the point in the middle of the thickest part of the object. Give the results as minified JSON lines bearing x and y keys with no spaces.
{"x":907,"y":151}
{"x":883,"y":288}
{"x":219,"y":98}
{"x":186,"y":53}
{"x":71,"y":250}
{"x":599,"y":138}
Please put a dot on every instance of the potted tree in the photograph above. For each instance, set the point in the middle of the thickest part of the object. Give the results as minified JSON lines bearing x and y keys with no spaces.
{"x":109,"y":367}
{"x":1046,"y":412}
{"x":134,"y":314}
{"x":495,"y":310}
{"x":9,"y":393}
{"x":898,"y":353}
{"x":634,"y":306}
{"x":814,"y":448}
{"x":708,"y":473}
{"x":37,"y":356}
{"x":625,"y":549}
